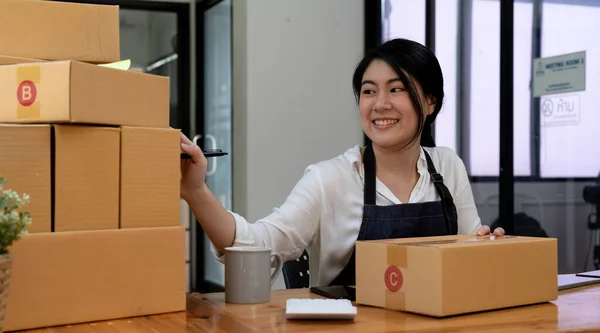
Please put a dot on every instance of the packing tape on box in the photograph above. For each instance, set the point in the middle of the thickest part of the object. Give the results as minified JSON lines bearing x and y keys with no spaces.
{"x":397,"y":262}
{"x":28,"y":79}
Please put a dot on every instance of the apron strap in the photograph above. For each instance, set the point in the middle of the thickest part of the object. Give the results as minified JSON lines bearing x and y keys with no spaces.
{"x":447,"y":201}
{"x":370,"y":178}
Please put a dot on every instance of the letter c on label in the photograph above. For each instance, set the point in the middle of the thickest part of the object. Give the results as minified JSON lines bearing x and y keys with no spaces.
{"x":393,"y":278}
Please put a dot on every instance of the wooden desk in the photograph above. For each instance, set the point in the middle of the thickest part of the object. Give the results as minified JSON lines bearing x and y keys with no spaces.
{"x":575,"y":310}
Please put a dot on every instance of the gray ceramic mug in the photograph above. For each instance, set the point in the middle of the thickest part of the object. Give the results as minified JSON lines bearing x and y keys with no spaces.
{"x":248,"y":278}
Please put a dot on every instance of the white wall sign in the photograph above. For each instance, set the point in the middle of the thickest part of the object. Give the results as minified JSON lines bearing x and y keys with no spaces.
{"x":560,"y":110}
{"x":559,"y":74}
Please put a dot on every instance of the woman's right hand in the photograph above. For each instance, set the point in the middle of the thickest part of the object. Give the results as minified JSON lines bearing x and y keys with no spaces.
{"x":218,"y":224}
{"x":193,"y":170}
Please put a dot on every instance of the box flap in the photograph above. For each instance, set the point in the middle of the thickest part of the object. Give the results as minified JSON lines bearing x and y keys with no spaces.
{"x":7,"y":60}
{"x":459,"y":240}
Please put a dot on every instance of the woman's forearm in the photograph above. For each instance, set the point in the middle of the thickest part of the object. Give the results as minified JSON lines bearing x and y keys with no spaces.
{"x":217,"y":223}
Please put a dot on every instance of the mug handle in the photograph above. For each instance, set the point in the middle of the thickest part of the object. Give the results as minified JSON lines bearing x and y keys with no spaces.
{"x":278,"y":266}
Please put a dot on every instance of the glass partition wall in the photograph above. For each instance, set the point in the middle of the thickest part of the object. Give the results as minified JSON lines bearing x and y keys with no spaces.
{"x":216,"y":120}
{"x":529,"y":152}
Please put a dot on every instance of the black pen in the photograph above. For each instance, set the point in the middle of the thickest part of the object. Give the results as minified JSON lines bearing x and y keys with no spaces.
{"x":207,"y":153}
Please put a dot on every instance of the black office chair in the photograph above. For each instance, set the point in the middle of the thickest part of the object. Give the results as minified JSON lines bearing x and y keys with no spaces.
{"x":296,"y":272}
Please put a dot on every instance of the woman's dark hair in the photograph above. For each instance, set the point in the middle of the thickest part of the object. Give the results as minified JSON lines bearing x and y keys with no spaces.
{"x":408,"y":57}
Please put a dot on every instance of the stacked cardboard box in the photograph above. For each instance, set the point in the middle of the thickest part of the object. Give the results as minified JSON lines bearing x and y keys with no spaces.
{"x":92,"y":147}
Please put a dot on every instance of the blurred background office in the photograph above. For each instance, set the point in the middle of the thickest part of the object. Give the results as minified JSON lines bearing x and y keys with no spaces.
{"x":270,"y":82}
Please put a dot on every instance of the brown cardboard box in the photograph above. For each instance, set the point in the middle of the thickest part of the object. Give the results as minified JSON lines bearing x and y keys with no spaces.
{"x":74,"y":277}
{"x":76,"y":92}
{"x":150,"y":176}
{"x":7,"y":60}
{"x":70,"y":172}
{"x":25,"y":163}
{"x":450,"y":275}
{"x":52,"y":30}
{"x":86,"y":177}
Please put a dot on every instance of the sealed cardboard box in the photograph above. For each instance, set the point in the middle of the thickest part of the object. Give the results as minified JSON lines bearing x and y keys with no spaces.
{"x":150,"y":176}
{"x":450,"y":275}
{"x":70,"y":172}
{"x":76,"y":92}
{"x":83,"y":276}
{"x":53,"y":30}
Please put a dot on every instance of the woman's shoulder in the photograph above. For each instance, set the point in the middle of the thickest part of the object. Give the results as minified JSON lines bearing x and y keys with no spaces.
{"x":451,"y":167}
{"x":342,"y":165}
{"x":445,"y":158}
{"x":345,"y":161}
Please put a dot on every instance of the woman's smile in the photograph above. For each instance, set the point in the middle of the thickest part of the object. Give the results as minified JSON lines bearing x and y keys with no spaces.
{"x":384,"y":123}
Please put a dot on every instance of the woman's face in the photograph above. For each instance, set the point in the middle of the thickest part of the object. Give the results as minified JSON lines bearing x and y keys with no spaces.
{"x":387,"y":115}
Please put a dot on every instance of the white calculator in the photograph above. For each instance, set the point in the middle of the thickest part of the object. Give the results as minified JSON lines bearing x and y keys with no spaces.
{"x":311,"y":308}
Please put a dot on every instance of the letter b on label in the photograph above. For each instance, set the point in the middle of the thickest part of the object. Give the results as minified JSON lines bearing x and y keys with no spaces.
{"x":26,"y":93}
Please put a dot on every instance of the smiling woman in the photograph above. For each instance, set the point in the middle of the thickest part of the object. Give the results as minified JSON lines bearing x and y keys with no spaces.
{"x":405,"y":76}
{"x":400,"y":185}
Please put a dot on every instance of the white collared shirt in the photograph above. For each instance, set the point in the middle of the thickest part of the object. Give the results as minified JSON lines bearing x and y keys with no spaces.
{"x":323,"y":213}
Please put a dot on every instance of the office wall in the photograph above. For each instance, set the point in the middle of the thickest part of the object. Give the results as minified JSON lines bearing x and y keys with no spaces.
{"x":292,"y":95}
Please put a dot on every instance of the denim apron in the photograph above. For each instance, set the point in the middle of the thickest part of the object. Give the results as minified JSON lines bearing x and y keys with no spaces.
{"x":433,"y":218}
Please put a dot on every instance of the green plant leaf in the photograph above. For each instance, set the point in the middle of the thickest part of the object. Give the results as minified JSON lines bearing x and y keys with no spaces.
{"x":13,"y":221}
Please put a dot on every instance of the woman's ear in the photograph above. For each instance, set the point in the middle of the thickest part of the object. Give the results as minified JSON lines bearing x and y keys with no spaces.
{"x":430,"y":105}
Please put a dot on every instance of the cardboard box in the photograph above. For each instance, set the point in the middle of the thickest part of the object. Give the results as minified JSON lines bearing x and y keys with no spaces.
{"x":25,"y":163}
{"x":150,"y":177}
{"x":70,"y":172}
{"x":52,"y":30}
{"x":76,"y":92}
{"x":7,"y":60}
{"x":450,"y":275}
{"x":83,"y":276}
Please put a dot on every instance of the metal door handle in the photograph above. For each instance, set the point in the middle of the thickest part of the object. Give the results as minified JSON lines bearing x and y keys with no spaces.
{"x":213,"y":145}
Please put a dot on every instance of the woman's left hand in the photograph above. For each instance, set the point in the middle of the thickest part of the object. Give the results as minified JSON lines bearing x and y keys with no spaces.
{"x":485,"y":230}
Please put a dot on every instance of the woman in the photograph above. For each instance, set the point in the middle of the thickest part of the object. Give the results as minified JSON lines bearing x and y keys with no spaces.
{"x":398,"y":186}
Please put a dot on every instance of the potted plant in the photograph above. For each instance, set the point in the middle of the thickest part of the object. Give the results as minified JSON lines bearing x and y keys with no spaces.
{"x":13,"y":223}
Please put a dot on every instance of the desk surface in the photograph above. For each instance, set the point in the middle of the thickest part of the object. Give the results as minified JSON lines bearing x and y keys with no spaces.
{"x":575,"y":310}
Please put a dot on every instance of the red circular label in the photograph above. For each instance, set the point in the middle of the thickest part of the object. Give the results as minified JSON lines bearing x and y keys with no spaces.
{"x":26,"y":93}
{"x":393,"y":278}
